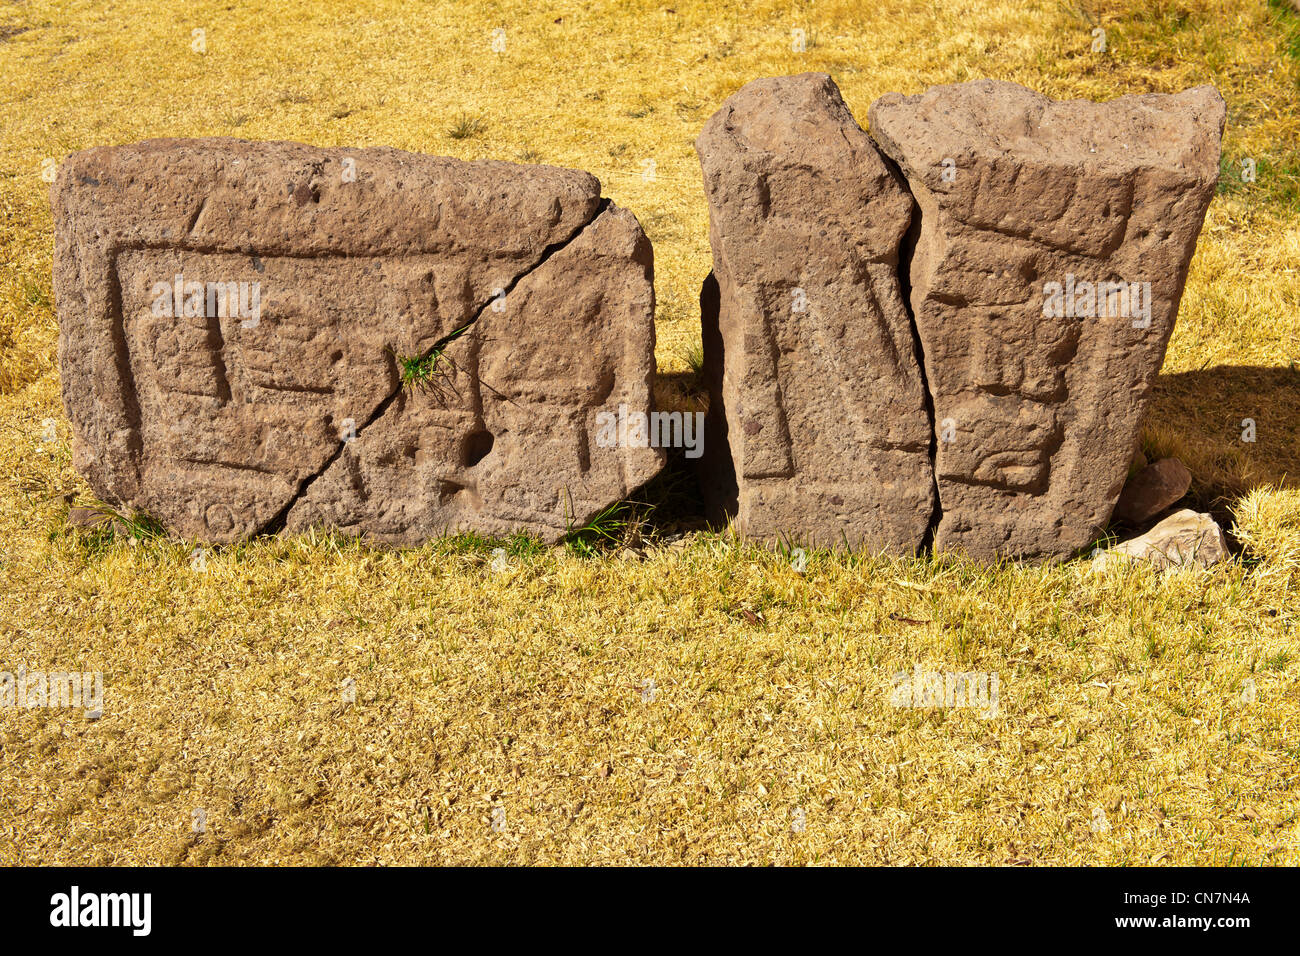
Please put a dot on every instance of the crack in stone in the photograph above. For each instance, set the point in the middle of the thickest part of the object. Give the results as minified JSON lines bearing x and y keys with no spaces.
{"x":907,"y":249}
{"x":277,"y":522}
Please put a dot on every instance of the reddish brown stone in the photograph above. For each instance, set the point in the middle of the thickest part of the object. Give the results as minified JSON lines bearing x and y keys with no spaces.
{"x":1152,"y":490}
{"x":219,"y":422}
{"x":1036,"y":412}
{"x":817,"y":427}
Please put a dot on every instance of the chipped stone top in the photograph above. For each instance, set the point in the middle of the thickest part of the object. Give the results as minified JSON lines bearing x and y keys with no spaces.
{"x":768,"y":148}
{"x":1178,"y":132}
{"x":204,"y":193}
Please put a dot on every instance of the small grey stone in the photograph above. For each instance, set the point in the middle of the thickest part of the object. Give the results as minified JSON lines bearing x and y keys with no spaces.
{"x":1184,"y":539}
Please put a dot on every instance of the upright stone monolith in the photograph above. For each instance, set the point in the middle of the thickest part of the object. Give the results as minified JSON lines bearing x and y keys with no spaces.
{"x":1053,"y":245}
{"x":818,"y":431}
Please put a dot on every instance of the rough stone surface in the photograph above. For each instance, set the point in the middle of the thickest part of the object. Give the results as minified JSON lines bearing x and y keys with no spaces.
{"x":505,"y":439}
{"x":537,"y":296}
{"x":1184,"y":539}
{"x":1037,"y":417}
{"x":817,"y":428}
{"x":1152,"y":490}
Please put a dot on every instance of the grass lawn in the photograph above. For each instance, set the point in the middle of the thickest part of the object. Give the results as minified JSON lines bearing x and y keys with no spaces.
{"x":658,"y":698}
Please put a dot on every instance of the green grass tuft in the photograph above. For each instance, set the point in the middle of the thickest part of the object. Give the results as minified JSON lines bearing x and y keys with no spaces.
{"x":466,"y":127}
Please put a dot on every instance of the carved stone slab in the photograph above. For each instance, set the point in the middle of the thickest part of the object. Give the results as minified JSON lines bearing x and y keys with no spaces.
{"x":233,"y":318}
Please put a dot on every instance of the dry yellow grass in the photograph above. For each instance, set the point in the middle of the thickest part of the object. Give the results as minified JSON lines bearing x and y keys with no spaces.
{"x":525,"y":691}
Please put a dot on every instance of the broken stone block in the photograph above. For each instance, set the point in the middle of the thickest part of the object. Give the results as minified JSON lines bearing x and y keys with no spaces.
{"x":1152,"y":490}
{"x":1050,"y":256}
{"x":507,"y":434}
{"x":235,"y":319}
{"x":1185,"y":539}
{"x":817,"y":428}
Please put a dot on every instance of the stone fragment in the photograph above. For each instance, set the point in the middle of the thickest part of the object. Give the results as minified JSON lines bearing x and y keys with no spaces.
{"x":1152,"y":490}
{"x":235,"y":316}
{"x":1184,"y":539}
{"x":506,"y":434}
{"x":817,"y":428}
{"x":1052,"y":249}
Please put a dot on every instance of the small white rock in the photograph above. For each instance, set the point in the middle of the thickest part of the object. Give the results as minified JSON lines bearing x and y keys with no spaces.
{"x":1185,"y":539}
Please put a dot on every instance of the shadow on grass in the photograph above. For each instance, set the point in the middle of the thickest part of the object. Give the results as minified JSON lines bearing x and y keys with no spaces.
{"x":1207,"y":418}
{"x":1203,"y":417}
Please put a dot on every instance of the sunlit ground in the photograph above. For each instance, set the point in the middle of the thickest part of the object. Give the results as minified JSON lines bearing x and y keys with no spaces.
{"x":314,"y":700}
